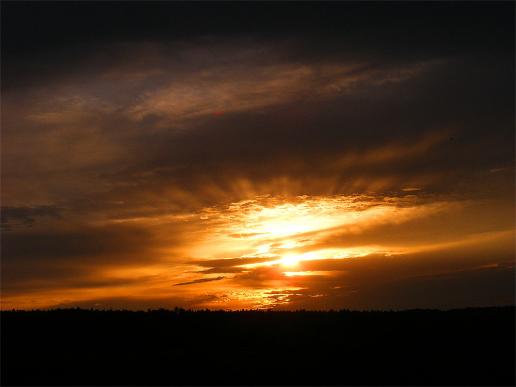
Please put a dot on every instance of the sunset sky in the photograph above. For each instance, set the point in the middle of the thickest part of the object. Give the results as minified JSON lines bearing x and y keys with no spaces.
{"x":257,"y":155}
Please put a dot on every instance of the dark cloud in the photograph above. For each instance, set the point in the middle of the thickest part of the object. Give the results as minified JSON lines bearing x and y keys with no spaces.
{"x":56,"y":34}
{"x":229,"y":265}
{"x":26,"y":216}
{"x":441,"y":291}
{"x":90,"y":243}
{"x":72,"y":258}
{"x":201,"y":280}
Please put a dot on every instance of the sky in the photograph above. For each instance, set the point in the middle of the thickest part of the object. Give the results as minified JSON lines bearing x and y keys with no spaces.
{"x":257,"y":155}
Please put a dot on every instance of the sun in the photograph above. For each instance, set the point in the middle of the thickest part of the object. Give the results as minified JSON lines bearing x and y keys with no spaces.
{"x":290,"y":260}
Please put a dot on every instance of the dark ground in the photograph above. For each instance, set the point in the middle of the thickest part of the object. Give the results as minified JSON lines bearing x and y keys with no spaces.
{"x":81,"y":347}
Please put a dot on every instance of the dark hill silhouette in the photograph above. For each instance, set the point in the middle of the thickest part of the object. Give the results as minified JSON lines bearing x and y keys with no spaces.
{"x":160,"y":347}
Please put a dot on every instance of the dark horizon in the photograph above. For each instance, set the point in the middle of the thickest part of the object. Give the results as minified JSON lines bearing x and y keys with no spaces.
{"x":178,"y":309}
{"x":461,"y":347}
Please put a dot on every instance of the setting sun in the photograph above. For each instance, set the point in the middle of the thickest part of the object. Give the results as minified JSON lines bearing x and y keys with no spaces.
{"x":290,"y":260}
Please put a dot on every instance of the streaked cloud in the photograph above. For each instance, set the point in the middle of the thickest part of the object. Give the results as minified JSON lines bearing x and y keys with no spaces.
{"x":301,"y":171}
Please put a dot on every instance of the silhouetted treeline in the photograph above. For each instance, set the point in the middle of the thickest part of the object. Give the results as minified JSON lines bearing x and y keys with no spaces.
{"x":179,"y":347}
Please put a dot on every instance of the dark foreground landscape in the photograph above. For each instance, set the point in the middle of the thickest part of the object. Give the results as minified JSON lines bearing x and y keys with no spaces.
{"x":420,"y":347}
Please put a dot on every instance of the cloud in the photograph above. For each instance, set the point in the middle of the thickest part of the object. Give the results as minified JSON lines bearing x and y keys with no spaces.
{"x":26,"y":216}
{"x":232,"y":90}
{"x":201,"y":280}
{"x":120,"y":173}
{"x":362,"y":143}
{"x":444,"y":291}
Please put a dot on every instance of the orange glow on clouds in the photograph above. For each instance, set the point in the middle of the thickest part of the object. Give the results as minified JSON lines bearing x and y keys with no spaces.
{"x":183,"y":186}
{"x":268,"y":251}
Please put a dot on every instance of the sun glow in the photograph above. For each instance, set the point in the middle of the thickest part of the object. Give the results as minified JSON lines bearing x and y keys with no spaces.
{"x":285,"y":231}
{"x":290,"y":260}
{"x":306,"y":273}
{"x":274,"y":242}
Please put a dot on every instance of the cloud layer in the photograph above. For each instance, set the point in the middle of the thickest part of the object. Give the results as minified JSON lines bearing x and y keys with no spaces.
{"x":316,"y":165}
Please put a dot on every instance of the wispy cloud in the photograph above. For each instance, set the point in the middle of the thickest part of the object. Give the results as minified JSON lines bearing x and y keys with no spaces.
{"x":200,"y":280}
